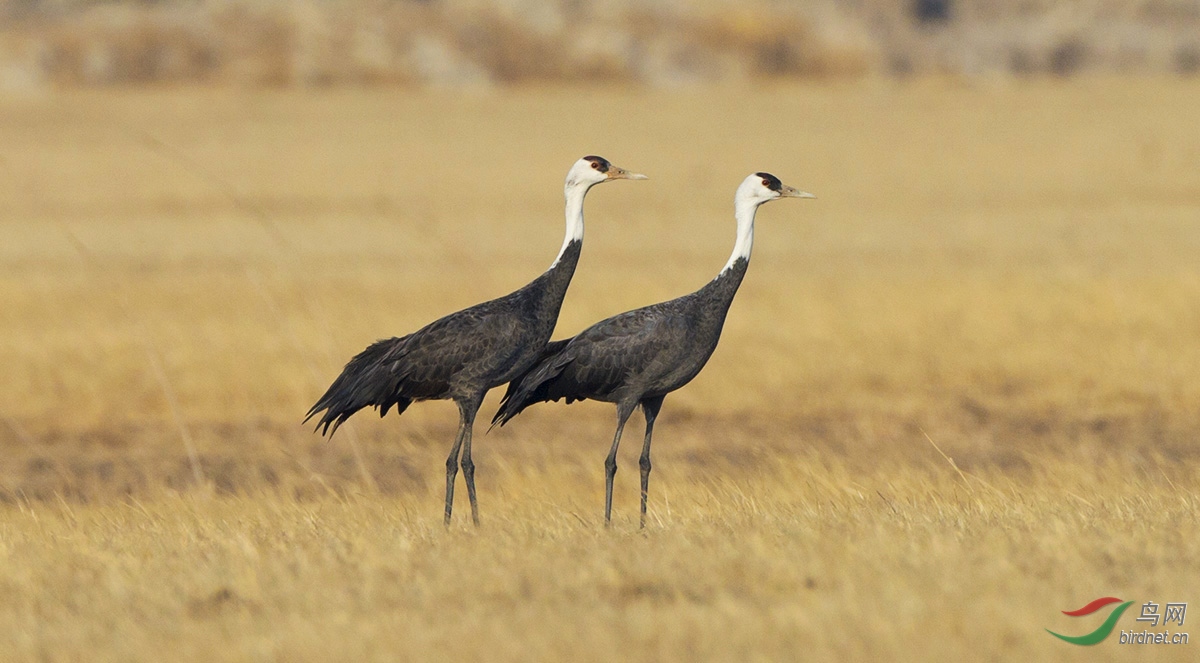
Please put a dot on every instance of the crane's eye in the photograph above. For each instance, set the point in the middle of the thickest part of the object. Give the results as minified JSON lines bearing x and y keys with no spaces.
{"x":766,"y":184}
{"x":595,"y":165}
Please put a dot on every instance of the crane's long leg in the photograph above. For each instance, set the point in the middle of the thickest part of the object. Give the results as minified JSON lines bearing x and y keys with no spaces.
{"x":468,"y":412}
{"x":610,"y":463}
{"x":650,"y":408}
{"x":464,"y":427}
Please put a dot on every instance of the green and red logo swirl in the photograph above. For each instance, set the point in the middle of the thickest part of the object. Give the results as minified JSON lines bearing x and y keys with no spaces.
{"x":1100,"y":633}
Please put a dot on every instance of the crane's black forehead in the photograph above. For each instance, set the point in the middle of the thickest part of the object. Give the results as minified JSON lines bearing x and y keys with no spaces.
{"x":602,"y":164}
{"x":770,"y":181}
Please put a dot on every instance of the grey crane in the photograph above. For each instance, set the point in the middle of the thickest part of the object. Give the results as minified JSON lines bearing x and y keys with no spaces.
{"x":463,"y":355}
{"x":638,"y":357}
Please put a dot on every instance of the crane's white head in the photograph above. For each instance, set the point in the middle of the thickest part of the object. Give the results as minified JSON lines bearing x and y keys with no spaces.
{"x":592,"y":170}
{"x":755,"y":190}
{"x":760,"y":188}
{"x":583,"y":175}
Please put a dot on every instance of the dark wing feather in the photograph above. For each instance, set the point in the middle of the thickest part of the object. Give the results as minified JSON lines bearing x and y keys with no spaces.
{"x":597,"y":362}
{"x":372,"y":378}
{"x":422,"y":365}
{"x":515,"y":385}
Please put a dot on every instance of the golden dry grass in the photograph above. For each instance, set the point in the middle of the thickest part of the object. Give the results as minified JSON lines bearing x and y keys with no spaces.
{"x":1010,"y":269}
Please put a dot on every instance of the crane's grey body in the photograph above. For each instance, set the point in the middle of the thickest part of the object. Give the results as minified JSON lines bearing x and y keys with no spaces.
{"x":638,"y":357}
{"x":641,"y":354}
{"x":463,"y":355}
{"x":458,"y":357}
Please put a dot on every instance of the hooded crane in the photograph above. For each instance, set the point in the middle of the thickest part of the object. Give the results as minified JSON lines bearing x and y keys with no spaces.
{"x":463,"y":355}
{"x":640,"y":356}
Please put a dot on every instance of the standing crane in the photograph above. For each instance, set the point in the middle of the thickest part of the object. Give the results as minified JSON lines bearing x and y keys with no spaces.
{"x":463,"y":355}
{"x":638,"y":357}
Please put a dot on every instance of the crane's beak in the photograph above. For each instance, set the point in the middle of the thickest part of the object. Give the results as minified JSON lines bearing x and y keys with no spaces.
{"x":786,"y":191}
{"x":615,"y":173}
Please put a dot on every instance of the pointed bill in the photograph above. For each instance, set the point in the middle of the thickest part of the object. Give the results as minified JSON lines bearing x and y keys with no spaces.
{"x":615,"y":173}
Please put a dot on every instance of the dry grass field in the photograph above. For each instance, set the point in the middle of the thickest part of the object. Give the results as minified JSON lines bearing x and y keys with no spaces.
{"x":1007,"y":270}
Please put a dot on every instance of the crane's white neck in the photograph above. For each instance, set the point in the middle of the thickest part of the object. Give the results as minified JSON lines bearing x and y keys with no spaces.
{"x":575,"y":192}
{"x":744,"y":210}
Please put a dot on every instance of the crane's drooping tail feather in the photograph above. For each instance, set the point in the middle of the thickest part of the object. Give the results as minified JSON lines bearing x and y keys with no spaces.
{"x":532,"y":386}
{"x":371,"y":378}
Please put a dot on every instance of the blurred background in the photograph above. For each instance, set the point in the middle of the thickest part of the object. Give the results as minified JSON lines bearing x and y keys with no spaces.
{"x":465,"y":43}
